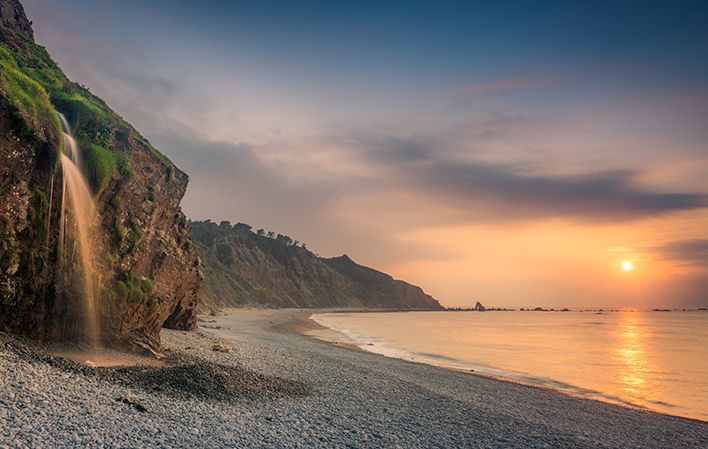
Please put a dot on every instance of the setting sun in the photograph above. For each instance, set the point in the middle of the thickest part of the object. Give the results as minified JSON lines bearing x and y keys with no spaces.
{"x":627,"y":265}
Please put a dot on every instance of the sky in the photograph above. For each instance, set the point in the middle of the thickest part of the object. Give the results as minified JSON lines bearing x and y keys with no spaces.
{"x":512,"y":152}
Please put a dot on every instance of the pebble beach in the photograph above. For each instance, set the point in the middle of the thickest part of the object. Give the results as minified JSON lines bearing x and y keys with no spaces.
{"x":249,"y":378}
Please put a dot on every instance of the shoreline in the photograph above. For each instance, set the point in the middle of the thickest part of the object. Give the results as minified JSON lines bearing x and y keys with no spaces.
{"x":307,"y":326}
{"x":277,"y":388}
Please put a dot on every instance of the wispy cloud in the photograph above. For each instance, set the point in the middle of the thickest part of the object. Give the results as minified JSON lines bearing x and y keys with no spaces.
{"x":599,"y":196}
{"x":428,"y":165}
{"x":690,"y":252}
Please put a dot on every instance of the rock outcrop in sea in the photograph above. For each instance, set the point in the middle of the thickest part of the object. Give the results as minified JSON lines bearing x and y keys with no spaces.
{"x":246,"y":267}
{"x":147,"y":268}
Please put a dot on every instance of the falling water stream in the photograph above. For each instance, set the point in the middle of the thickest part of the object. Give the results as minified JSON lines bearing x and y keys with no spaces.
{"x":77,"y":240}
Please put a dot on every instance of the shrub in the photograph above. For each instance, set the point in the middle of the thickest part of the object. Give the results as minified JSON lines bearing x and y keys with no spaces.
{"x":100,"y":166}
{"x":134,"y":289}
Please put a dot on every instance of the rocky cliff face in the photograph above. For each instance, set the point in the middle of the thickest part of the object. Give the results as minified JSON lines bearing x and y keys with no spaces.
{"x":149,"y":269}
{"x":13,"y":18}
{"x":246,"y":268}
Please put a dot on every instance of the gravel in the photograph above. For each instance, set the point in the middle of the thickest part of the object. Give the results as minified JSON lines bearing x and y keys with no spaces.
{"x":279,"y":389}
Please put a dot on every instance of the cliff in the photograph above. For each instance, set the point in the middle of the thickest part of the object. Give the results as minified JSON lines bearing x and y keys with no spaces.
{"x":246,"y":268}
{"x":149,"y":269}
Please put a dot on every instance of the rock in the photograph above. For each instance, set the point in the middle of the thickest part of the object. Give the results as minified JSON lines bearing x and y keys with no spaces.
{"x":12,"y":16}
{"x":221,"y":347}
{"x":479,"y":307}
{"x":139,"y":407}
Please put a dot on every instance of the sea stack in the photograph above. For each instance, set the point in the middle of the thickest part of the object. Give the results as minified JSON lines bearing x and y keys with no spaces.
{"x":479,"y":307}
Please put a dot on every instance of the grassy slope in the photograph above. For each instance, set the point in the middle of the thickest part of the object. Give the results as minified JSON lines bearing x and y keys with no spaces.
{"x":242,"y":267}
{"x":36,"y":86}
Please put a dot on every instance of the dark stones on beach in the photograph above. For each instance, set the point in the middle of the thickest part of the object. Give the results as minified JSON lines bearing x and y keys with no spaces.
{"x":205,"y":380}
{"x":184,"y":376}
{"x":139,"y":407}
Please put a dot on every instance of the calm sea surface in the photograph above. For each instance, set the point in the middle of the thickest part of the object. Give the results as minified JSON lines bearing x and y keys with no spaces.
{"x":653,"y":360}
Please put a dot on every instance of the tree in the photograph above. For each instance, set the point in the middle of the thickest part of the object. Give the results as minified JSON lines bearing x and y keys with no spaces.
{"x":225,"y":224}
{"x":243,"y":227}
{"x":284,"y":239}
{"x":271,"y":234}
{"x":260,"y":232}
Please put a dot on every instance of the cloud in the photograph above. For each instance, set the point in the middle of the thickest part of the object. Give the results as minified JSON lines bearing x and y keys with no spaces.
{"x":443,"y":165}
{"x":594,"y":196}
{"x":431,"y":166}
{"x":691,"y":252}
{"x":232,"y":181}
{"x":391,"y":149}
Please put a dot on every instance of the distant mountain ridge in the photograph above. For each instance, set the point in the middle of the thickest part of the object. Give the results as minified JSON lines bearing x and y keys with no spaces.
{"x":246,"y":268}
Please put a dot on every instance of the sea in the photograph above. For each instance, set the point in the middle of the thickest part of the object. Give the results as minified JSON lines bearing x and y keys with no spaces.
{"x":653,"y":360}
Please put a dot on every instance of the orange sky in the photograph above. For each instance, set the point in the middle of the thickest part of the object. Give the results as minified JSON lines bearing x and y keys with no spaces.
{"x":561,"y":263}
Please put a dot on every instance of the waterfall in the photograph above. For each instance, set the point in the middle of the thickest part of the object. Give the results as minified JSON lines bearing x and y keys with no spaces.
{"x":77,"y":244}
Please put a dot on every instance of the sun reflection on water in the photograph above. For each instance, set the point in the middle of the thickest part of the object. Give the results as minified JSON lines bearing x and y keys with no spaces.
{"x":632,"y":357}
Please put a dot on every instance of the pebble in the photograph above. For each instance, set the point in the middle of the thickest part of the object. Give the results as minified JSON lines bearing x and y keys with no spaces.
{"x":287,"y":390}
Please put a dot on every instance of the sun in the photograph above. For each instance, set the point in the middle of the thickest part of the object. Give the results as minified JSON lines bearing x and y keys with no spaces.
{"x":627,"y":265}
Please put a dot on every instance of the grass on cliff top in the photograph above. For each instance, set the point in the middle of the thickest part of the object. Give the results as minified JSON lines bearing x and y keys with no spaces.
{"x":36,"y":86}
{"x":27,"y":95}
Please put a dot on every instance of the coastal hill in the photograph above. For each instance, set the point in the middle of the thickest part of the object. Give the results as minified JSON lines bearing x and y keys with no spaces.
{"x":243,"y":267}
{"x":147,"y":270}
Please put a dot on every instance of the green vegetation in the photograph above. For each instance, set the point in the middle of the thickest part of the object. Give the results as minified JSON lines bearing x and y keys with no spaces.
{"x":243,"y":266}
{"x":136,"y":232}
{"x":100,"y":166}
{"x":33,"y":107}
{"x":134,"y":289}
{"x":35,"y":86}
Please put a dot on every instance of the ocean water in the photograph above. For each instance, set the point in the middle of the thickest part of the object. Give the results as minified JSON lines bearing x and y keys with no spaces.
{"x":652,"y":360}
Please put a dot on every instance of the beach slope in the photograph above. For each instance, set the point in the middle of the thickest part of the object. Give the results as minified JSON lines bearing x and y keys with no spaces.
{"x":306,"y":393}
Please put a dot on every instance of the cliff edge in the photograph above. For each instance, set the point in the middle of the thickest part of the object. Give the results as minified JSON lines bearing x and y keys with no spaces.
{"x":149,"y":269}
